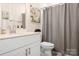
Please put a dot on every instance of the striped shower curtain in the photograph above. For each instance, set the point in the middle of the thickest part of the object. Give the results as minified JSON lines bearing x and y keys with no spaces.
{"x":60,"y":27}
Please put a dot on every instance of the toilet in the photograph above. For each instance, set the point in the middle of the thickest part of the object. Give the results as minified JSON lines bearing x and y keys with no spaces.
{"x":46,"y":48}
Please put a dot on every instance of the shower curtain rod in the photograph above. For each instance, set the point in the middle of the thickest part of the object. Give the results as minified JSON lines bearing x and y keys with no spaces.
{"x":53,"y":5}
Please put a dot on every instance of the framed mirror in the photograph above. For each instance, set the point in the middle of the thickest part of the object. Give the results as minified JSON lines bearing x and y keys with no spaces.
{"x":12,"y":16}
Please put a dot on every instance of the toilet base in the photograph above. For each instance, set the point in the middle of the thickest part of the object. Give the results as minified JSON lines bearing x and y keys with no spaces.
{"x":45,"y":52}
{"x":48,"y":53}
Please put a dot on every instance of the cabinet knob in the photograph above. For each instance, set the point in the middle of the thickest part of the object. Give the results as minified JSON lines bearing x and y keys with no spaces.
{"x":28,"y":52}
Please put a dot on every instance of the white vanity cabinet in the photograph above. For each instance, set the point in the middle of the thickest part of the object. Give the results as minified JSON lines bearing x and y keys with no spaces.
{"x":27,"y":45}
{"x":30,"y":50}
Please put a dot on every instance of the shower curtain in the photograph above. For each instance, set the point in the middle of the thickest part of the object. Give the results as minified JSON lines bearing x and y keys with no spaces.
{"x":60,"y":27}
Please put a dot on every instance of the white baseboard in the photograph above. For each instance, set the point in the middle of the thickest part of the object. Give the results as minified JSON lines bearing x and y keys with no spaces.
{"x":72,"y":51}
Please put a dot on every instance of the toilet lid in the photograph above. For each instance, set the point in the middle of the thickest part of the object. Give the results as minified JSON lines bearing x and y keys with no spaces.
{"x":47,"y":44}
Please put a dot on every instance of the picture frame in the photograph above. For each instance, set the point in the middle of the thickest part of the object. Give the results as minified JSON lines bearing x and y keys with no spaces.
{"x":35,"y":14}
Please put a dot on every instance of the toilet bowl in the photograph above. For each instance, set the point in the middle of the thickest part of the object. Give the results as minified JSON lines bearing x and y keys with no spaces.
{"x":46,"y":48}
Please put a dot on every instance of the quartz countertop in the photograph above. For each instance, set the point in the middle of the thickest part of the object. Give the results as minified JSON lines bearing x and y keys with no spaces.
{"x":8,"y":35}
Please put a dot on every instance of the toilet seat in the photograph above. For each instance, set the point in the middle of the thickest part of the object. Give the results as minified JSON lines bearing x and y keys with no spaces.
{"x":47,"y":45}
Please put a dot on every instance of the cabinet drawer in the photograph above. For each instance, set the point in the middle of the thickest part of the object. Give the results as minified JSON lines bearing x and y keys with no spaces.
{"x":14,"y":43}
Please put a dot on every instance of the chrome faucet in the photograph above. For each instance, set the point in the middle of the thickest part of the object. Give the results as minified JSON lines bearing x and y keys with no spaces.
{"x":12,"y":27}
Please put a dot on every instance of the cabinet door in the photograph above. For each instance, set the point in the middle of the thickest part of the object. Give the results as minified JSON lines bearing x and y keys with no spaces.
{"x":17,"y":52}
{"x":35,"y":50}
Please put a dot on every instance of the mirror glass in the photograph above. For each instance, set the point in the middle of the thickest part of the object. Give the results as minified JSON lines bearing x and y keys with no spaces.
{"x":12,"y":17}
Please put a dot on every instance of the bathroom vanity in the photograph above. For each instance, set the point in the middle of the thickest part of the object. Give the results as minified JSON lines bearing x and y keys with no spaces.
{"x":20,"y":44}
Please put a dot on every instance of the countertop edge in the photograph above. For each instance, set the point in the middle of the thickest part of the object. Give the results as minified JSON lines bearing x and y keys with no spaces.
{"x":19,"y":36}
